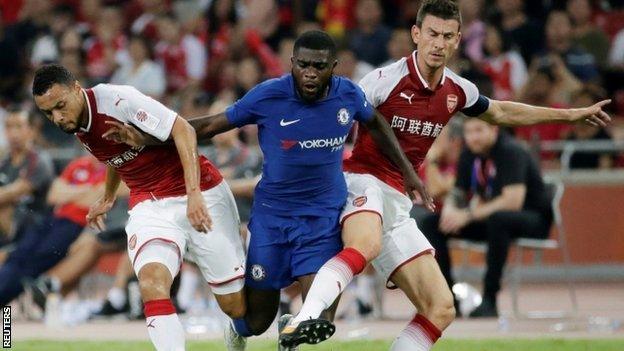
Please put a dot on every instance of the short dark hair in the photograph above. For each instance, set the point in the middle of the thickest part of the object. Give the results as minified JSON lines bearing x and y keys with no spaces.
{"x":48,"y":75}
{"x":315,"y":40}
{"x":445,"y":9}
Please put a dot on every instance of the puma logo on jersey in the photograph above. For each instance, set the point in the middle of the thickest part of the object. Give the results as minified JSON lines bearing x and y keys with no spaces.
{"x":407,"y":97}
{"x":118,"y":101}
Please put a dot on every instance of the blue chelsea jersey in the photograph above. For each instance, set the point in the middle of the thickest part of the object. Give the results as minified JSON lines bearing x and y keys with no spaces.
{"x":302,"y":143}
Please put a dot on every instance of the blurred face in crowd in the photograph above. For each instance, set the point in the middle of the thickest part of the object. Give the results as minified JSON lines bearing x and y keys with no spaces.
{"x":470,"y":9}
{"x":168,"y":30}
{"x":138,"y":50}
{"x":346,"y":64}
{"x":558,"y":31}
{"x":493,"y":42}
{"x":18,"y":131}
{"x":510,"y":7}
{"x":368,"y":12}
{"x":248,"y":73}
{"x":479,"y":135}
{"x":63,"y":105}
{"x":71,"y":41}
{"x":579,"y":10}
{"x":437,"y":40}
{"x":400,"y":44}
{"x":312,"y":70}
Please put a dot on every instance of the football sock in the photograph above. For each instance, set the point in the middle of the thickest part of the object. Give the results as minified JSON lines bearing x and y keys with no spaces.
{"x":330,"y":281}
{"x":163,"y":325}
{"x":419,"y":335}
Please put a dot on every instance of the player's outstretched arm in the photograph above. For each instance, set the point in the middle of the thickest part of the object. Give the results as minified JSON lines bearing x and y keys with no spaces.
{"x":183,"y":135}
{"x":386,"y":140}
{"x":205,"y":127}
{"x":208,"y":126}
{"x":510,"y":113}
{"x":97,"y":211}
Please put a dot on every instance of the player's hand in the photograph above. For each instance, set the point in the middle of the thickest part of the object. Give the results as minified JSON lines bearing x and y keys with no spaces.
{"x":593,"y":115}
{"x":415,"y":188}
{"x":452,"y":220}
{"x":97,"y":212}
{"x":124,"y":133}
{"x":197,"y":212}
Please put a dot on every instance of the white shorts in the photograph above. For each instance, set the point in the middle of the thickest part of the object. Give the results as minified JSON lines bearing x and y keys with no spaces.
{"x":402,"y":241}
{"x":219,"y":253}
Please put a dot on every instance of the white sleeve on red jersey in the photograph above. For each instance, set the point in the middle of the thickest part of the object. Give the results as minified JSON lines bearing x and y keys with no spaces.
{"x":127,"y":104}
{"x":379,"y":83}
{"x":470,"y":89}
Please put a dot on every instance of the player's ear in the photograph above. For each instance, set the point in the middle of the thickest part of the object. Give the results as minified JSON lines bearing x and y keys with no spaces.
{"x":415,"y":34}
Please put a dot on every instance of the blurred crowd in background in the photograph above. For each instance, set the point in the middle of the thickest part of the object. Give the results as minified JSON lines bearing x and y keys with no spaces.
{"x":198,"y":56}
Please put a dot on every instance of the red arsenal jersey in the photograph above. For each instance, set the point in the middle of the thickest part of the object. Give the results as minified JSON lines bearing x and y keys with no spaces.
{"x":416,"y":114}
{"x":149,"y":171}
{"x":83,"y":170}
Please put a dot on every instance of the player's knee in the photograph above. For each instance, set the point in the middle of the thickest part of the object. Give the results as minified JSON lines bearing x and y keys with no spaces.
{"x":442,"y":310}
{"x":368,"y":244}
{"x":154,"y":283}
{"x":233,"y":305}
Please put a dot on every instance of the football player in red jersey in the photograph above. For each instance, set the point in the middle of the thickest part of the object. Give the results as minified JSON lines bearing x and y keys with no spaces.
{"x":172,"y":190}
{"x":417,"y":95}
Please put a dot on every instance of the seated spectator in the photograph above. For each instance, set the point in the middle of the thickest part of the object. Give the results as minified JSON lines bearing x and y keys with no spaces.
{"x":107,"y":48}
{"x":473,"y":29}
{"x":142,"y":72}
{"x":504,"y":66}
{"x":25,"y":175}
{"x":560,"y":42}
{"x":400,"y":45}
{"x":508,"y":199}
{"x":368,"y":40}
{"x":41,"y":247}
{"x":586,"y":34}
{"x":350,"y":67}
{"x":519,"y":30}
{"x":587,"y":159}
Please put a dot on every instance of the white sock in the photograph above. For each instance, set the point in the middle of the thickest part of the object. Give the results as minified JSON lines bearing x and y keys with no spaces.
{"x":117,"y":297}
{"x":330,"y":281}
{"x":188,"y":285}
{"x":365,"y":288}
{"x":163,"y":326}
{"x":416,"y":337}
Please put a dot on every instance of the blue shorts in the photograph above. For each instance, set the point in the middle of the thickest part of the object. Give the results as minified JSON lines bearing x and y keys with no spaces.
{"x":281,"y":249}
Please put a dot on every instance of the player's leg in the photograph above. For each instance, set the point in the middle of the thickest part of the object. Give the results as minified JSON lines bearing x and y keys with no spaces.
{"x":425,"y":286}
{"x":317,"y":243}
{"x":361,"y":235}
{"x":155,"y":246}
{"x":406,"y":260}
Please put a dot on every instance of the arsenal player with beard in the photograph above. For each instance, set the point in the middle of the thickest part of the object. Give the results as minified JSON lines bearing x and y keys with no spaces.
{"x":172,"y":191}
{"x":417,"y":95}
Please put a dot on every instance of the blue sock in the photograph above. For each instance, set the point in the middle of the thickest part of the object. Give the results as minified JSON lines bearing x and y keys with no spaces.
{"x":241,"y":327}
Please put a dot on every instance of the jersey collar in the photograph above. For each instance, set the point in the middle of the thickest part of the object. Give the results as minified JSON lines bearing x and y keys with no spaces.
{"x":413,"y":68}
{"x":88,"y":99}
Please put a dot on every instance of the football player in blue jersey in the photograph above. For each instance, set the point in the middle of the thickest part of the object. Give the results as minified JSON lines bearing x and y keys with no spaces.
{"x":303,"y":121}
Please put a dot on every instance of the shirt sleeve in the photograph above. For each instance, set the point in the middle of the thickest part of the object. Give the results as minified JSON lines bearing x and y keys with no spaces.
{"x":364,"y":111}
{"x":464,"y":171}
{"x":149,"y":115}
{"x":243,"y":111}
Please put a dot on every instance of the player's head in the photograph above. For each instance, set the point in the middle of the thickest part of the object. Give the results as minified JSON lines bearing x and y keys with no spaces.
{"x":313,"y":62}
{"x":437,"y":31}
{"x":59,"y":96}
{"x":479,"y":135}
{"x":18,"y":129}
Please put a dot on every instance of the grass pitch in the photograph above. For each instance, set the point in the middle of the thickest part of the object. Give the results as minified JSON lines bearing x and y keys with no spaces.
{"x":366,"y":345}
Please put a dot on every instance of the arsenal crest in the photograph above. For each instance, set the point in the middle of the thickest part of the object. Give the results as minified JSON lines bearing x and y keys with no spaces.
{"x":451,"y":102}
